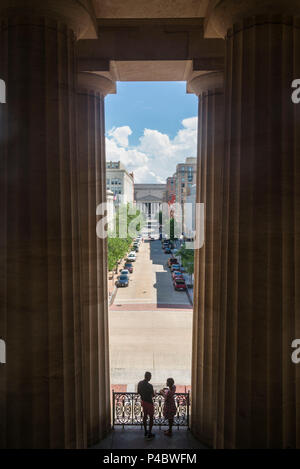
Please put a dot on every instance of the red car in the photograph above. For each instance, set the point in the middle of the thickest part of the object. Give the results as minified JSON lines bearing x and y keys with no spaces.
{"x":177,"y":274}
{"x":172,"y":261}
{"x":129,"y":267}
{"x":179,"y":284}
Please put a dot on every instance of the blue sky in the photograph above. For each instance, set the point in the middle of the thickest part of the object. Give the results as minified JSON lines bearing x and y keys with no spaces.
{"x":150,"y":127}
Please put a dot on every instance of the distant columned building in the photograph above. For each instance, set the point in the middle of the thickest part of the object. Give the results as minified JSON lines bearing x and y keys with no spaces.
{"x":149,"y":198}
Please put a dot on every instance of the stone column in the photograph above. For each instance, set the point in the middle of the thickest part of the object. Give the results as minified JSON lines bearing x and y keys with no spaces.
{"x":92,"y":90}
{"x":209,"y":88}
{"x":258,"y":385}
{"x":41,"y":383}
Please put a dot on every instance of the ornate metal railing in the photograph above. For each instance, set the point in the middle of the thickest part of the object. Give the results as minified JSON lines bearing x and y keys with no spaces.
{"x":127,"y":409}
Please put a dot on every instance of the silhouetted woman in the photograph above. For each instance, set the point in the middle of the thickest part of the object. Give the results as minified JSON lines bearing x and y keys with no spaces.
{"x":169,"y":406}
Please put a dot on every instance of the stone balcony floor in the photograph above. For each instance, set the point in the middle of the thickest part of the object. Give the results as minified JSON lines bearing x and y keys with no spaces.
{"x":133,"y":438}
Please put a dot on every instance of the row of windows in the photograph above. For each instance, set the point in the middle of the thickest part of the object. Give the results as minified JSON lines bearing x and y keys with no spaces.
{"x":112,"y":165}
{"x":114,"y":182}
{"x":190,"y":169}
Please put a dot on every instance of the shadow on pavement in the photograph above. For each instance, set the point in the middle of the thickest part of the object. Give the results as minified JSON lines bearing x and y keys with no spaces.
{"x":133,"y":438}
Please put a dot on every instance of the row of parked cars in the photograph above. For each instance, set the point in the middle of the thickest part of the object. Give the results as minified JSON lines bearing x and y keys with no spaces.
{"x":176,"y":269}
{"x":123,"y":279}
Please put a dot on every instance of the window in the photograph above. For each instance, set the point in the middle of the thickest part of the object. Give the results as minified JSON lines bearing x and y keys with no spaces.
{"x":116,"y":182}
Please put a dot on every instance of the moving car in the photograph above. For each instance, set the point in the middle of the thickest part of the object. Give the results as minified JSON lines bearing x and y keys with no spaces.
{"x":172,"y":261}
{"x":179,"y":284}
{"x":123,"y":281}
{"x":129,"y":267}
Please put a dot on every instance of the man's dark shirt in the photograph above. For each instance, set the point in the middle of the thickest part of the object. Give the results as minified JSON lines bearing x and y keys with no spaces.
{"x":145,"y":389}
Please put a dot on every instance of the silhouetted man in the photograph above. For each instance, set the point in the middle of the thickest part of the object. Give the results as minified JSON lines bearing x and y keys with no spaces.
{"x":145,"y":389}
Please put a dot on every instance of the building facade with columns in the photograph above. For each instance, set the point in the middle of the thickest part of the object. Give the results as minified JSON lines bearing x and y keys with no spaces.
{"x":149,"y":198}
{"x":59,"y":59}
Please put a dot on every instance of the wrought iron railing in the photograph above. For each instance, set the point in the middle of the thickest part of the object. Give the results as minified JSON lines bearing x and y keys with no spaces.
{"x":127,"y":409}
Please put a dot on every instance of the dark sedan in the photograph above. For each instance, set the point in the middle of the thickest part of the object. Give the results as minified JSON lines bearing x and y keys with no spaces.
{"x":172,"y":261}
{"x":122,"y":281}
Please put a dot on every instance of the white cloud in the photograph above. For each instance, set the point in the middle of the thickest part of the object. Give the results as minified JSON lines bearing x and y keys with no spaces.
{"x":190,"y":123}
{"x":156,"y":156}
{"x":120,"y":135}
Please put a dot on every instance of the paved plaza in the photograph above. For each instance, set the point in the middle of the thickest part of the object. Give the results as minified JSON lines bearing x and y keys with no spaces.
{"x":150,"y":325}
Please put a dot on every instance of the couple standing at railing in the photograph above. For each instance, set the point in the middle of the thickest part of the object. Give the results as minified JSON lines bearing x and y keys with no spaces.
{"x":146,"y":391}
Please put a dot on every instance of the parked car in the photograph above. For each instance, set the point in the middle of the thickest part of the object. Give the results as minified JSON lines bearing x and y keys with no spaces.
{"x":129,"y":267}
{"x":123,"y":281}
{"x":179,"y":284}
{"x":125,"y":272}
{"x":175,"y":267}
{"x":168,"y":251}
{"x":131,"y":257}
{"x":135,"y":248}
{"x":172,"y":261}
{"x":177,"y":274}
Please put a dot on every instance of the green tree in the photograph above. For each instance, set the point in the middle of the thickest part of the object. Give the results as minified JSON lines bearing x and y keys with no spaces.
{"x":118,"y":245}
{"x":171,"y":226}
{"x":187,"y":259}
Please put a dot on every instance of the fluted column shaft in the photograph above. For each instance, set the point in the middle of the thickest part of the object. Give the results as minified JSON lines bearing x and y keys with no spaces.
{"x":259,"y":386}
{"x":92,"y":192}
{"x":207,"y":259}
{"x":41,"y":383}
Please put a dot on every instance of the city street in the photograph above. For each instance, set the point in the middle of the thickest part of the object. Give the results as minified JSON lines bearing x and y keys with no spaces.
{"x":150,"y":324}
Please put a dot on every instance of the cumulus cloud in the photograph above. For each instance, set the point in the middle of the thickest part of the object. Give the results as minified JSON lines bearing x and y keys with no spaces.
{"x":156,"y":156}
{"x":120,"y":135}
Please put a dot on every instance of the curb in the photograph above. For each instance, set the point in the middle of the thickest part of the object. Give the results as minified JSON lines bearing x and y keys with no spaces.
{"x":113,"y":296}
{"x":189,"y":297}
